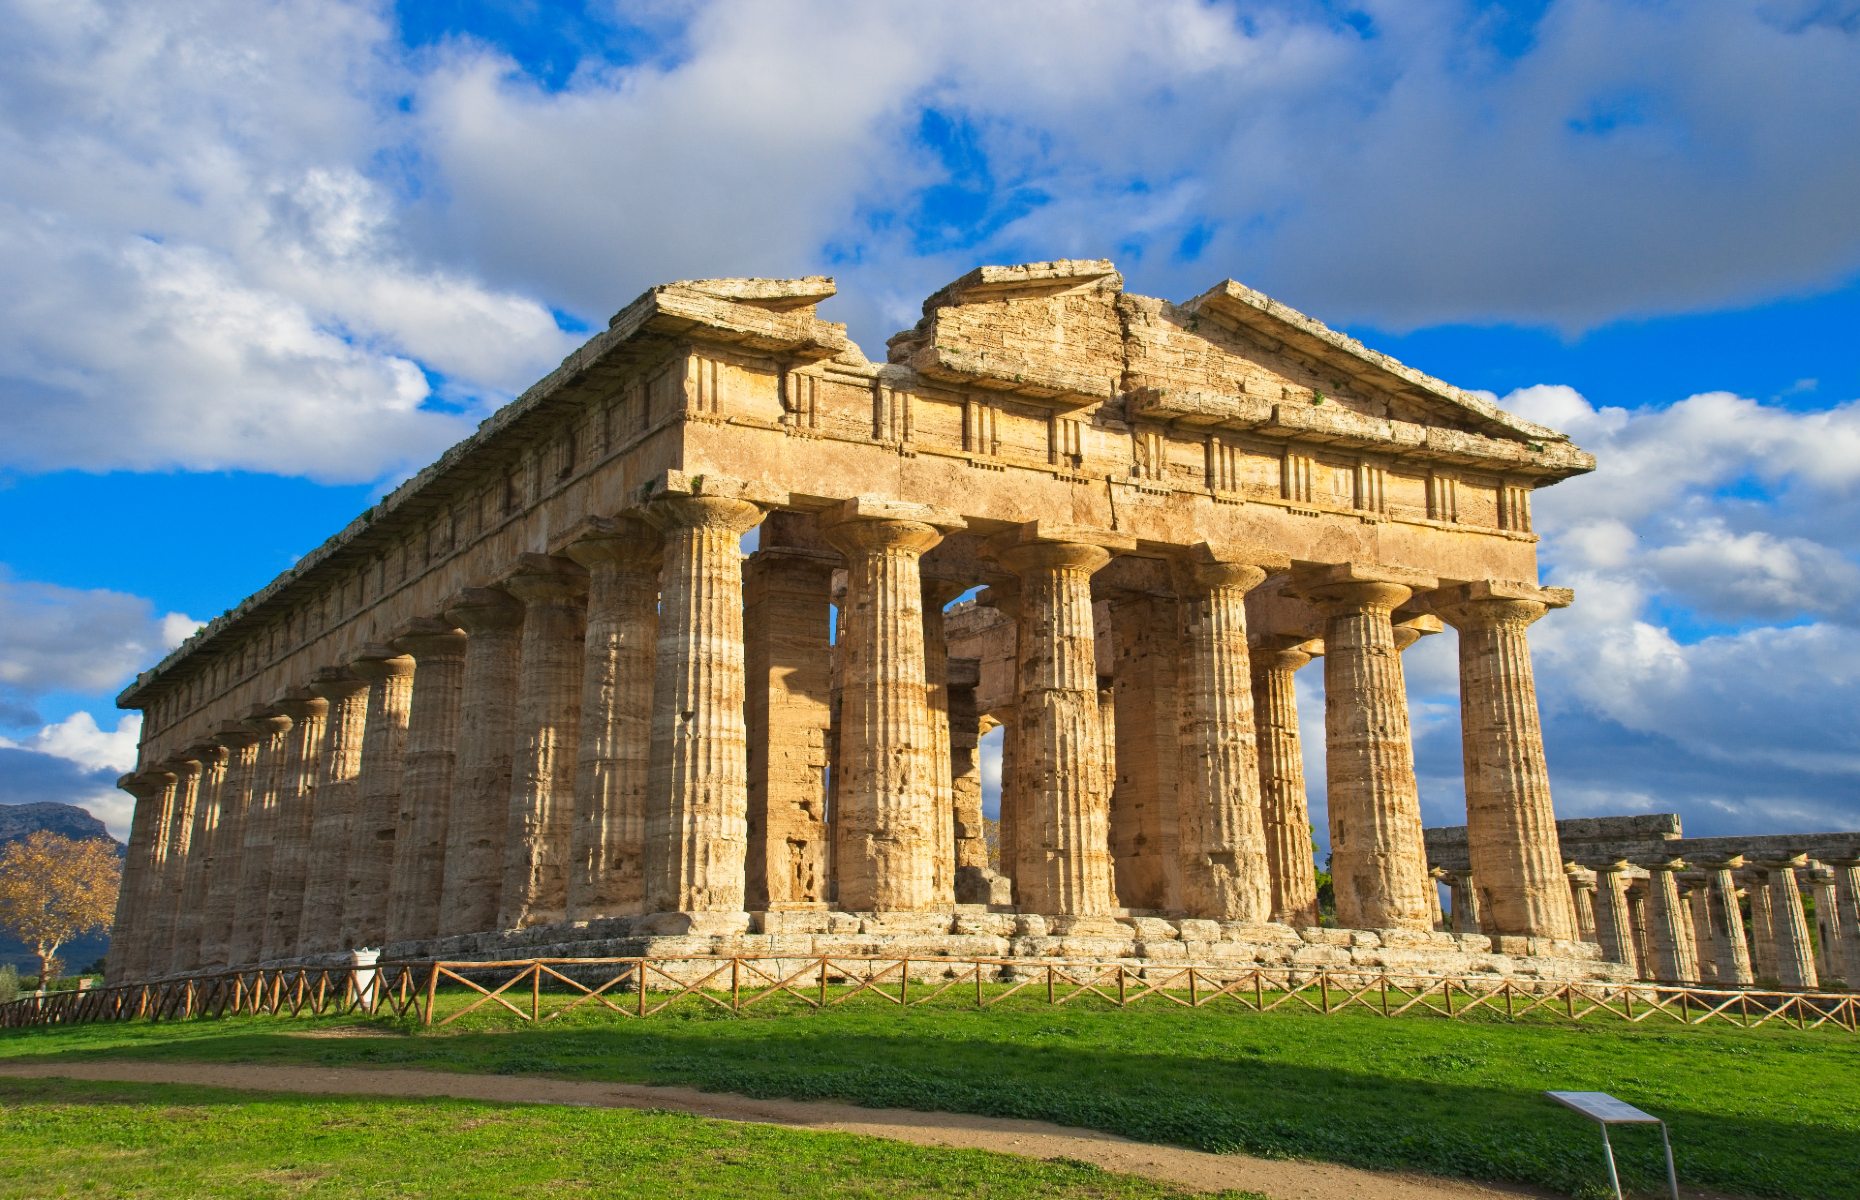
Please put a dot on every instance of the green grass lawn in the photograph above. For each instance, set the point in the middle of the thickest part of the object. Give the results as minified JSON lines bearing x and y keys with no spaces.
{"x":67,"y":1138}
{"x":1765,"y":1112}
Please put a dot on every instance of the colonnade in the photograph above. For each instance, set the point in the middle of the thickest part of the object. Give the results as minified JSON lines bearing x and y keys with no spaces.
{"x":1738,"y":921}
{"x":602,"y":735}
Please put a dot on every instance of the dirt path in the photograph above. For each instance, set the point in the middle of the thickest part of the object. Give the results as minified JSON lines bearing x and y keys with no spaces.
{"x":1281,"y":1180}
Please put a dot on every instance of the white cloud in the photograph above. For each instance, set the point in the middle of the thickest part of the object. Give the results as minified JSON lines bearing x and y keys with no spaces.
{"x":78,"y":739}
{"x":59,"y":639}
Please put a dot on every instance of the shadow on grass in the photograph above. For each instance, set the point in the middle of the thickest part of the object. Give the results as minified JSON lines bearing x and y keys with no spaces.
{"x":1453,"y":1100}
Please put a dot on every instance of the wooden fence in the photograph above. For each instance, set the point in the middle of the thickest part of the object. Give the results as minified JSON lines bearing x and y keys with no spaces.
{"x":547,"y":989}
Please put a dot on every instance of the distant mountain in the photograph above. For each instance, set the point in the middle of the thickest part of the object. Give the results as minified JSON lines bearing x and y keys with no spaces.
{"x":66,"y":820}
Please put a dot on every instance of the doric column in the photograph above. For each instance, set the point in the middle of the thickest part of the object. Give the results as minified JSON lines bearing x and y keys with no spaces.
{"x":608,"y":835}
{"x":251,"y":904}
{"x":1436,"y":879}
{"x":886,"y":824}
{"x":1828,"y":964}
{"x":1284,"y":810}
{"x":937,"y":594}
{"x":1700,"y":930}
{"x":1064,"y":837}
{"x":1795,"y":953}
{"x":426,"y":774}
{"x":303,"y":759}
{"x":965,"y":765}
{"x":480,"y":812}
{"x":1762,"y":927}
{"x":1582,"y":900}
{"x":227,"y":843}
{"x":1728,"y":945}
{"x":1008,"y":824}
{"x":1378,"y":859}
{"x":554,"y":592}
{"x":332,"y":832}
{"x":1667,"y":919}
{"x":1510,"y":826}
{"x":1145,"y":833}
{"x":165,"y":902}
{"x":1467,"y":918}
{"x":1226,"y":874}
{"x":1847,"y":898}
{"x":1614,"y":923}
{"x":697,"y":800}
{"x":377,"y":794}
{"x":148,"y":836}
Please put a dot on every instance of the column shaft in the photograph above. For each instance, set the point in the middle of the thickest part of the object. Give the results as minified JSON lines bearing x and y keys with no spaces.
{"x":1762,"y":929}
{"x":1795,"y":953}
{"x":788,"y":660}
{"x":301,"y":772}
{"x":1063,"y":839}
{"x":427,"y":767}
{"x":1704,"y":934}
{"x":942,"y":780}
{"x":1667,"y":921}
{"x":377,"y":795}
{"x":1582,"y":895}
{"x":1284,"y":812}
{"x":965,"y":769}
{"x":698,"y":788}
{"x":168,"y":904}
{"x":1510,"y":825}
{"x":1378,"y":860}
{"x":333,"y":831}
{"x":1145,"y":831}
{"x":1225,"y":868}
{"x":1732,"y":952}
{"x":129,"y":948}
{"x":206,"y":902}
{"x":251,"y":904}
{"x":542,"y":775}
{"x":480,"y":809}
{"x":1614,"y":922}
{"x":1847,"y":897}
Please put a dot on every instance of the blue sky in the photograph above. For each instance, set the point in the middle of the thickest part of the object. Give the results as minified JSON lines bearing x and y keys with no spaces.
{"x":259,"y":261}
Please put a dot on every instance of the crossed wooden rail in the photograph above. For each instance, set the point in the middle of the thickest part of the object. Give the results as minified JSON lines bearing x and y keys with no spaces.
{"x":634,"y":988}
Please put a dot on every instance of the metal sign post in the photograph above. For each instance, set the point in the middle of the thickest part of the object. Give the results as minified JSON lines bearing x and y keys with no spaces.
{"x":1605,"y":1110}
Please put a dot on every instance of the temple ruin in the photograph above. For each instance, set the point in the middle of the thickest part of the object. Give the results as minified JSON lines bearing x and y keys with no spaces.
{"x":539,"y":700}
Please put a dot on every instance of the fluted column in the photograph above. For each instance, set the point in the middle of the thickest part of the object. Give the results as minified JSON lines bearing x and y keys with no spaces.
{"x":1847,"y":897}
{"x":192,"y":923}
{"x":227,"y":843}
{"x":1466,"y":915}
{"x":965,"y":766}
{"x":1700,"y":930}
{"x":148,"y":837}
{"x":300,"y":775}
{"x":697,"y":800}
{"x":165,"y":902}
{"x":1064,"y":840}
{"x":251,"y":903}
{"x":1582,"y":899}
{"x":1284,"y":811}
{"x":1145,"y":830}
{"x":1510,"y":825}
{"x":788,"y":660}
{"x":937,"y":594}
{"x":554,"y":592}
{"x":1224,"y":857}
{"x":377,"y":794}
{"x":608,"y":833}
{"x":886,"y":822}
{"x":1795,"y":953}
{"x":332,"y":832}
{"x":480,"y":814}
{"x":426,"y":773}
{"x":1007,"y":826}
{"x":1762,"y":928}
{"x":1728,"y":945}
{"x":1667,"y":917}
{"x":1378,"y":859}
{"x":1828,"y":964}
{"x":1614,"y":923}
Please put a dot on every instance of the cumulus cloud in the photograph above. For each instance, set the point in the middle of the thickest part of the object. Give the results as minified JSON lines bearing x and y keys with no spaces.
{"x":59,"y":639}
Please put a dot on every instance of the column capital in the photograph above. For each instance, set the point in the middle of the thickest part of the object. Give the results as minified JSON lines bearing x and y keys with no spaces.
{"x":546,"y":579}
{"x":481,"y":610}
{"x":1488,"y":602}
{"x":628,"y":540}
{"x":214,"y":753}
{"x":865,"y":524}
{"x":1669,"y":865}
{"x":1209,"y":565}
{"x":430,"y":638}
{"x":268,"y":721}
{"x":336,"y":683}
{"x":185,"y":764}
{"x":381,"y":660}
{"x":234,"y":735}
{"x":1619,"y":866}
{"x":1785,"y":863}
{"x":146,"y":785}
{"x":1014,"y":545}
{"x":681,"y":485}
{"x":1733,"y":863}
{"x":878,"y":508}
{"x":300,"y":704}
{"x":1412,"y":629}
{"x":1347,"y":587}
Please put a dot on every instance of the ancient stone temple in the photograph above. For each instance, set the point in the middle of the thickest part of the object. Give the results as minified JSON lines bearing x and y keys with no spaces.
{"x":540,"y":700}
{"x":1723,"y":912}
